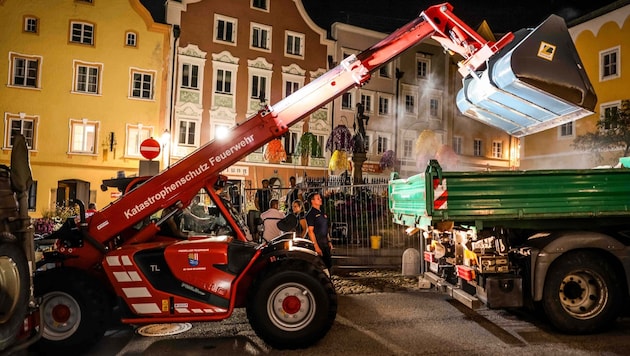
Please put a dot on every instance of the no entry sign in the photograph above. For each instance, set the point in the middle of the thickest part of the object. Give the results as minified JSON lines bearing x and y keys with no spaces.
{"x":150,"y":148}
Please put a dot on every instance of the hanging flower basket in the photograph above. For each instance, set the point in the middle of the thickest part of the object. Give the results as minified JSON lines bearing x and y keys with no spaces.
{"x":340,"y":139}
{"x":274,"y":153}
{"x":388,"y":160}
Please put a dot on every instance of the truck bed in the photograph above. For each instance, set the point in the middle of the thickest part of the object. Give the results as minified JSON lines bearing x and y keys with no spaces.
{"x":517,"y":199}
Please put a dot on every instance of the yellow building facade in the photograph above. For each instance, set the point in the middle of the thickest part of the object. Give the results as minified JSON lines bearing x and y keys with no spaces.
{"x":85,"y":82}
{"x":602,"y":39}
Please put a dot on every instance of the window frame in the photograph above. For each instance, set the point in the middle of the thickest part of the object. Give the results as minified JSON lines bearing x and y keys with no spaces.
{"x":14,"y":56}
{"x":410,"y":108}
{"x":366,"y":100}
{"x":216,"y":82}
{"x":132,"y":83}
{"x":75,"y":77}
{"x":288,"y":35}
{"x":72,"y":124}
{"x":196,"y":130}
{"x":384,"y":101}
{"x":563,"y":130}
{"x":260,"y":8}
{"x":254,"y":81}
{"x":30,"y":136}
{"x":232,"y":41}
{"x":616,"y":51}
{"x":425,"y":73}
{"x":81,"y":41}
{"x":497,"y":149}
{"x":132,"y":149}
{"x":135,"y":39}
{"x":457,"y":144}
{"x":382,"y":143}
{"x":407,"y":147}
{"x":478,"y":147}
{"x":345,"y":105}
{"x":267,"y":38}
{"x":616,"y":105}
{"x":26,"y":25}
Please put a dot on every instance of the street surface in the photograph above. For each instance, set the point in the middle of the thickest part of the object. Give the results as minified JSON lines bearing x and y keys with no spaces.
{"x":416,"y":322}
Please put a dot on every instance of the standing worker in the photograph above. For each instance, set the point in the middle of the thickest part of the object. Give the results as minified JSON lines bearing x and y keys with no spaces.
{"x":263,"y":197}
{"x":293,"y":194}
{"x":317,"y":223}
{"x":270,"y":220}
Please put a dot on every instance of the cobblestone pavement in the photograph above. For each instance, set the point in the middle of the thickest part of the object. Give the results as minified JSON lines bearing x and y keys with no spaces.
{"x":373,"y":281}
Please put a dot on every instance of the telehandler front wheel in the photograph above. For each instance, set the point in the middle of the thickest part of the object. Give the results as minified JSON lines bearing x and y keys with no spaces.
{"x":582,"y":293}
{"x":14,"y":289}
{"x":293,"y":305}
{"x":75,"y":311}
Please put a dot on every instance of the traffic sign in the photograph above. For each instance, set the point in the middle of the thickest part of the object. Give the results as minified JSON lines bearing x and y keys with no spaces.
{"x":150,"y":148}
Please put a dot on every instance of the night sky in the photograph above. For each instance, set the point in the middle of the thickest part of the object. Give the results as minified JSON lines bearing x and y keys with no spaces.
{"x":502,"y":15}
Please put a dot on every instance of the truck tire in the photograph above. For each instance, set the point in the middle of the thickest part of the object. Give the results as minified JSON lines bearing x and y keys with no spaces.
{"x":293,"y":305}
{"x":582,"y":293}
{"x":75,"y":311}
{"x":14,"y":291}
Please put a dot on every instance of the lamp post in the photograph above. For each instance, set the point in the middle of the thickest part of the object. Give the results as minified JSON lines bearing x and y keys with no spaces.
{"x":399,"y":76}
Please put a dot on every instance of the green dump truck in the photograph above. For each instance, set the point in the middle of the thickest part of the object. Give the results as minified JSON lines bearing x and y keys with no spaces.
{"x":558,"y":240}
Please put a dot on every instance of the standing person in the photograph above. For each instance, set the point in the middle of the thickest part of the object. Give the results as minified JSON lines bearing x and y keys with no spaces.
{"x":317,"y":223}
{"x":90,"y":210}
{"x":263,"y":197}
{"x":293,"y":194}
{"x":297,"y":207}
{"x":270,"y":220}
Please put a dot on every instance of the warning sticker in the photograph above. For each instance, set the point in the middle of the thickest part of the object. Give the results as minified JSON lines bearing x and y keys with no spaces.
{"x":546,"y":51}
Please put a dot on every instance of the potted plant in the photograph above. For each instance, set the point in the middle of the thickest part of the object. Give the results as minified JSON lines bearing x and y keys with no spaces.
{"x":274,"y":153}
{"x":308,"y":146}
{"x":388,"y":160}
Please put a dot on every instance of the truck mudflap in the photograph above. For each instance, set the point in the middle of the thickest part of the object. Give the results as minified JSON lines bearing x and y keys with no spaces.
{"x":534,"y":83}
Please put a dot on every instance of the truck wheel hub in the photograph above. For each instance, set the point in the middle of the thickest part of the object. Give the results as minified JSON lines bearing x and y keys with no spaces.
{"x":291,"y":304}
{"x":582,"y":294}
{"x":61,"y":313}
{"x":291,"y":307}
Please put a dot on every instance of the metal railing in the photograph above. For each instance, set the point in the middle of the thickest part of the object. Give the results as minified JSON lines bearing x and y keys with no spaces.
{"x":361,"y":225}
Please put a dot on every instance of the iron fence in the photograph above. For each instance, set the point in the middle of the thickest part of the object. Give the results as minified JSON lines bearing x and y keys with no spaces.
{"x":361,"y":224}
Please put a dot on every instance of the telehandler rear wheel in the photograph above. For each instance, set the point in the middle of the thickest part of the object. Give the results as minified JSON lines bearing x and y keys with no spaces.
{"x":14,"y":289}
{"x":582,"y":293}
{"x":293,"y":305}
{"x":75,"y":311}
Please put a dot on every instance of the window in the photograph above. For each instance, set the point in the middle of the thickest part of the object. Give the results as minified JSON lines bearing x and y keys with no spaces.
{"x":260,"y":4}
{"x":611,"y":112}
{"x":23,"y":124}
{"x":410,"y":106}
{"x":346,"y":101}
{"x":383,"y":105}
{"x":457,"y":144}
{"x":367,"y":143}
{"x":261,"y":37}
{"x":434,"y":107}
{"x":225,"y":29}
{"x":24,"y":70}
{"x":381,"y":145}
{"x":295,"y":44}
{"x":407,"y":148}
{"x":187,"y":132}
{"x":131,"y":39}
{"x":224,"y":81}
{"x":322,"y":143}
{"x":82,"y":32}
{"x":141,"y":84}
{"x":83,"y":136}
{"x":366,"y":100}
{"x":290,"y":140}
{"x":190,"y":76}
{"x":290,"y":87}
{"x":566,"y":130}
{"x":423,"y":67}
{"x":259,"y":88}
{"x":385,"y":71}
{"x":31,"y":24}
{"x":609,"y":64}
{"x":497,"y":149}
{"x":477,"y":149}
{"x":87,"y":77}
{"x":135,"y":135}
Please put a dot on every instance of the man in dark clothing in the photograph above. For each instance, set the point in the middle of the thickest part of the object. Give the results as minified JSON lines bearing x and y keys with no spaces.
{"x":293,"y":194}
{"x":317,"y":223}
{"x":263,"y":197}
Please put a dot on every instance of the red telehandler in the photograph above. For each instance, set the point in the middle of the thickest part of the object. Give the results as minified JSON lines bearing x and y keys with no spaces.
{"x":118,"y":256}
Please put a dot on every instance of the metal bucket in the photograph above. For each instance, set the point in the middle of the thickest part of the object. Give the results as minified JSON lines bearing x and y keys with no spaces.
{"x":535,"y":83}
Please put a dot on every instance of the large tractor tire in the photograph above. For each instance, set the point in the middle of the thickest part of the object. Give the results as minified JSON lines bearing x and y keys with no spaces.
{"x":75,"y":311}
{"x":14,"y":291}
{"x":582,"y":293}
{"x":292,"y":305}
